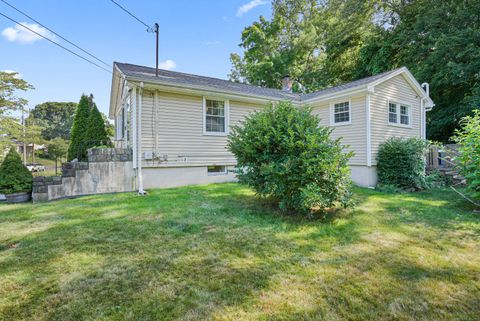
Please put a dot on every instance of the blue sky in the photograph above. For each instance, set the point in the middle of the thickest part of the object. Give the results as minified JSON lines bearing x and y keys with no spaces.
{"x":196,"y":36}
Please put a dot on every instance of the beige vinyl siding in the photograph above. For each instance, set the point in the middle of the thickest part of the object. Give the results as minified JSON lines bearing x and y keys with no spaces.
{"x":354,"y":134}
{"x":399,"y":90}
{"x":175,"y":131}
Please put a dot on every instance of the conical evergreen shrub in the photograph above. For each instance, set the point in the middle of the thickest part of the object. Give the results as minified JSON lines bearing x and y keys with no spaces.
{"x":96,"y":134}
{"x":14,"y":176}
{"x":78,"y":146}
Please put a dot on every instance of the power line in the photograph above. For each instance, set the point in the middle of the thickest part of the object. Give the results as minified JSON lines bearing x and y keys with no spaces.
{"x":76,"y":46}
{"x":70,"y":51}
{"x":149,"y":28}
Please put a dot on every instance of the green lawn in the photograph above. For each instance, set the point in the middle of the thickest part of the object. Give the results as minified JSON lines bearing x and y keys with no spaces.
{"x":218,"y":253}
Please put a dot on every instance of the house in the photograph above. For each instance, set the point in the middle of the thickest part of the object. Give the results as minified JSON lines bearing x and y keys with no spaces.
{"x":177,"y":123}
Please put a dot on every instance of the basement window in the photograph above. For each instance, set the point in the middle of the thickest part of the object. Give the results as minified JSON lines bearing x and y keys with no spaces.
{"x":217,"y":170}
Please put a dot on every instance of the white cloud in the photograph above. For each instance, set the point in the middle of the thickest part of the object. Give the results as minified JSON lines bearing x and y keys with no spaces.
{"x":18,"y":75}
{"x":167,"y":64}
{"x":22,"y":35}
{"x":249,"y":6}
{"x":212,"y":43}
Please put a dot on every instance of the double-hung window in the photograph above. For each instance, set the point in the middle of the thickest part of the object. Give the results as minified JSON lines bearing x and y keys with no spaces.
{"x":399,"y":114}
{"x":215,"y":116}
{"x":341,"y":113}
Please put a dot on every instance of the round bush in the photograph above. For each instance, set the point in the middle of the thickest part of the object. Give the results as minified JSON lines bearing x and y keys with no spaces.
{"x":14,"y":176}
{"x":284,"y":153}
{"x":401,"y":163}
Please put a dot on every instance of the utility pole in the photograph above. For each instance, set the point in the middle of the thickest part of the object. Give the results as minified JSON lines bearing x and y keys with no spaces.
{"x":156,"y":32}
{"x":24,"y":145}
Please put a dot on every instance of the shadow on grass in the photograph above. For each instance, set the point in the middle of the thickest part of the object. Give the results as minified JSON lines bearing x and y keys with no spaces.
{"x":183,"y":241}
{"x":190,"y":253}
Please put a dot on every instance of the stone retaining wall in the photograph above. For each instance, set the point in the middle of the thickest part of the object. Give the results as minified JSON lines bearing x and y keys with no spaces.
{"x":109,"y":155}
{"x":108,"y":170}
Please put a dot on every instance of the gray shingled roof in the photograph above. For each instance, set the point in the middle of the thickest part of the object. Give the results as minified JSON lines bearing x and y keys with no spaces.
{"x":179,"y":78}
{"x":352,"y":84}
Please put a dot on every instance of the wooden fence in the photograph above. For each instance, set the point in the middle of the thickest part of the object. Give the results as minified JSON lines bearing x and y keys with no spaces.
{"x":442,"y":158}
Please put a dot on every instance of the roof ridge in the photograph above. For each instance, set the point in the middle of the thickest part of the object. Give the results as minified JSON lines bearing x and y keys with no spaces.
{"x":300,"y":96}
{"x":208,"y":77}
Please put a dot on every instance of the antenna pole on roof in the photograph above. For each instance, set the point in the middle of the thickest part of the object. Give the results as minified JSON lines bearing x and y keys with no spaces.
{"x":156,"y":33}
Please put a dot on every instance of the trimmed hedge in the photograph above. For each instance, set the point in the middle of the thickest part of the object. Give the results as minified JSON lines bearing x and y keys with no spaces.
{"x":401,"y":163}
{"x":283,"y":153}
{"x":14,"y":176}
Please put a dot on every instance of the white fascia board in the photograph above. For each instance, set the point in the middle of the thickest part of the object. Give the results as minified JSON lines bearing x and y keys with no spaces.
{"x":114,"y":92}
{"x":359,"y":90}
{"x":411,"y":81}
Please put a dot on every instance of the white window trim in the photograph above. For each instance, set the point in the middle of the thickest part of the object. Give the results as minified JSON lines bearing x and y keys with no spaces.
{"x":227,"y":116}
{"x":225,"y":172}
{"x":332,"y":112}
{"x":398,"y":103}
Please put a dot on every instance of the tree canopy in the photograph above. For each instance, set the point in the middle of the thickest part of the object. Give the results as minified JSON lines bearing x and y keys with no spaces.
{"x":325,"y":43}
{"x":439,"y":41}
{"x":10,"y":83}
{"x":56,"y":118}
{"x":317,"y":43}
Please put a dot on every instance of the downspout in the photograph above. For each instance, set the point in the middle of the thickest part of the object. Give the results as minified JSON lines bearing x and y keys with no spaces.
{"x":134,"y":126}
{"x":368,"y":125}
{"x":139,"y":144}
{"x":369,"y":132}
{"x":426,"y":87}
{"x":156,"y":123}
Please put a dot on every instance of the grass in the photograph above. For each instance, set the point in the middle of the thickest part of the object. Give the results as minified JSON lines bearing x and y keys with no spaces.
{"x":218,"y":253}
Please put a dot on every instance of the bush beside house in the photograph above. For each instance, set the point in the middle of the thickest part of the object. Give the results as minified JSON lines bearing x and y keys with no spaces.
{"x":14,"y":176}
{"x":401,"y":163}
{"x":468,"y":137}
{"x":283,"y":153}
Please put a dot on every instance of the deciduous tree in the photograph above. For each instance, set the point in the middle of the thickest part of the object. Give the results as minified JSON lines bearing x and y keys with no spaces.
{"x":57,"y":148}
{"x":56,"y":118}
{"x":439,"y":41}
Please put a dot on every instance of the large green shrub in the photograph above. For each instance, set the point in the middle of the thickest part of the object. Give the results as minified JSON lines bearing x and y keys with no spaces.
{"x":468,"y":137}
{"x":14,"y":176}
{"x":401,"y":163}
{"x":284,"y":153}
